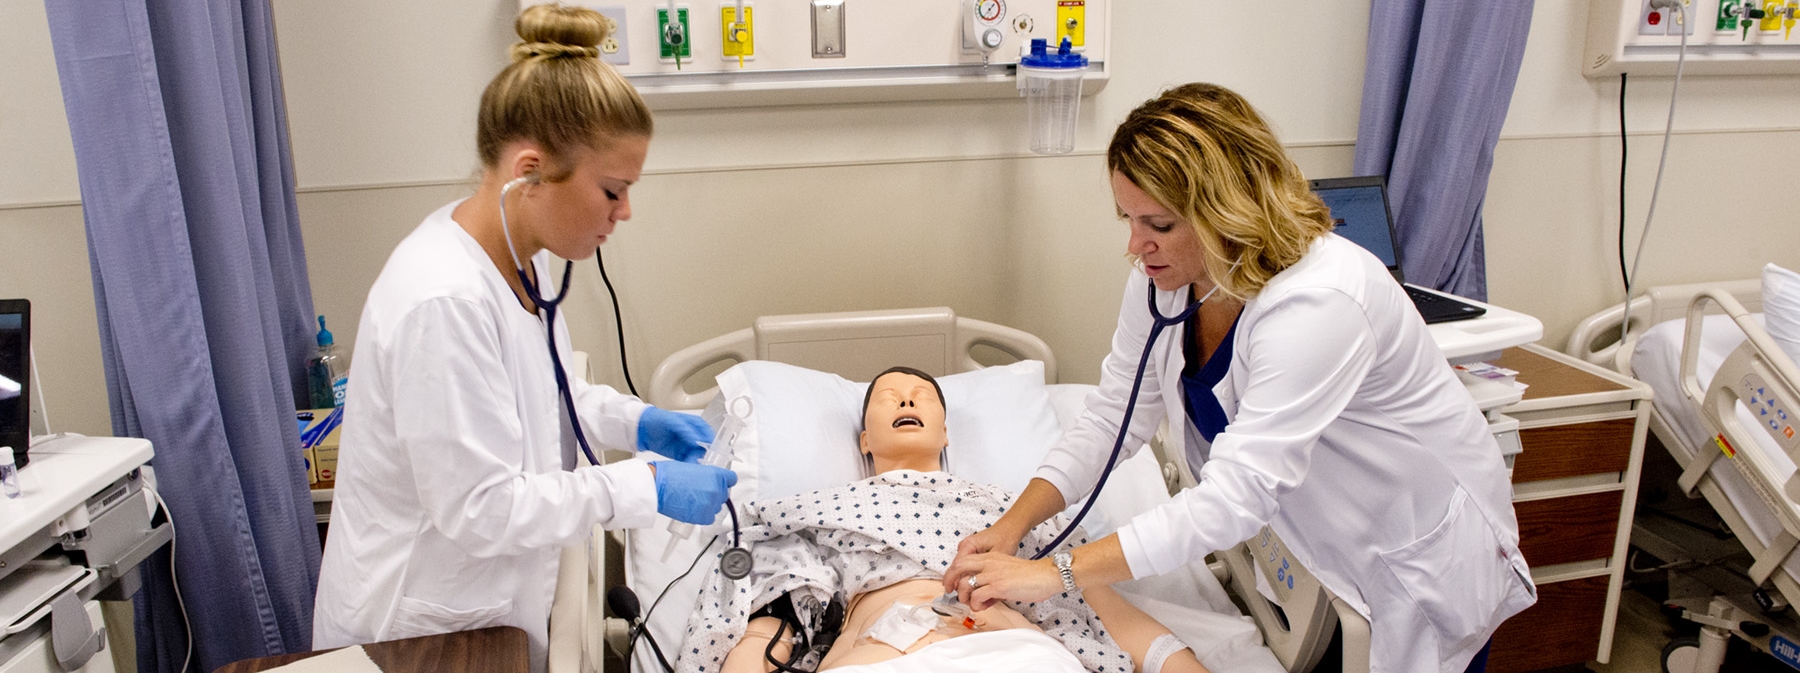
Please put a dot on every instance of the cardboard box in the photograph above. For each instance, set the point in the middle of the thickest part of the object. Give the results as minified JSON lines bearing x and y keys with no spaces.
{"x":321,"y":459}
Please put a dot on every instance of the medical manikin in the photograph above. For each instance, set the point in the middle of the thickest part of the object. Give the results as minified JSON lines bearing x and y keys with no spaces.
{"x":892,"y":578}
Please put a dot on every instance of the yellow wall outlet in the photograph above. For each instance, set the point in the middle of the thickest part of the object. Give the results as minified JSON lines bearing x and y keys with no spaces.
{"x":737,"y":39}
{"x":1071,"y":22}
{"x":1771,"y":21}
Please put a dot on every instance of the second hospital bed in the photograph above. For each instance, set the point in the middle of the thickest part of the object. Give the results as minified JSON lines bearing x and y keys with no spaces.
{"x":1724,"y":396}
{"x":1012,"y":400}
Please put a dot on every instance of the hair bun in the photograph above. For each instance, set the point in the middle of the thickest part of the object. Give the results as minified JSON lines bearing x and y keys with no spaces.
{"x":555,"y":31}
{"x":525,"y":50}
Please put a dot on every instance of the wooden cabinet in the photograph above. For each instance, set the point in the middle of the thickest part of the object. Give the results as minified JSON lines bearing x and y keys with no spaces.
{"x":1574,"y":488}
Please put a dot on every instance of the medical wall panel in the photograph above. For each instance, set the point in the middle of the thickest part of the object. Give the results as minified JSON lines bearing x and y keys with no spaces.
{"x":795,"y":52}
{"x":1724,"y":37}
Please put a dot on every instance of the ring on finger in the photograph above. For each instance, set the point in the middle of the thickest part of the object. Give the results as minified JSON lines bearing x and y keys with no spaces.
{"x":973,"y":582}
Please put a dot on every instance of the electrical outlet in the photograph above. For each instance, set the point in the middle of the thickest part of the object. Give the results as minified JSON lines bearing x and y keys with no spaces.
{"x":737,"y":40}
{"x":676,"y":38}
{"x":1661,"y":20}
{"x":616,"y":48}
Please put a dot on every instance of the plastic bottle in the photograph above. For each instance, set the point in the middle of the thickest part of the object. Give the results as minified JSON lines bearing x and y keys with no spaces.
{"x":9,"y":473}
{"x":325,"y":376}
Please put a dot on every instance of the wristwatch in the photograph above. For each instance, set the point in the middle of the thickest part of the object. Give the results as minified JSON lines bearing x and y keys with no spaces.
{"x":1065,"y":565}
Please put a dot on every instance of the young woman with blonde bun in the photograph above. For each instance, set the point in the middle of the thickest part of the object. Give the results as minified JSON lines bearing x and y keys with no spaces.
{"x":460,"y":475}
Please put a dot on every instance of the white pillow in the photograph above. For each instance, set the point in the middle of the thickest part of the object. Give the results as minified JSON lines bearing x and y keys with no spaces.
{"x":803,"y":428}
{"x":1781,"y":308}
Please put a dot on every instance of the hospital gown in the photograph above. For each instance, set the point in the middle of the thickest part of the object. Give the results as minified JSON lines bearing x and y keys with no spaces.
{"x":867,"y":535}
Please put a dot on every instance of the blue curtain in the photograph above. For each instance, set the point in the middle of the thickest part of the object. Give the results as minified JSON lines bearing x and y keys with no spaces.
{"x":200,"y":281}
{"x":1436,"y":86}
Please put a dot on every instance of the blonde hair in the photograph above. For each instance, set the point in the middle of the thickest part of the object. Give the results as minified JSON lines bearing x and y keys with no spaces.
{"x":557,"y":92}
{"x":1203,"y":152}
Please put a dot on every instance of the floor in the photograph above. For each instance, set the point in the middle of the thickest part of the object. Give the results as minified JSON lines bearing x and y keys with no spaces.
{"x":1643,"y":631}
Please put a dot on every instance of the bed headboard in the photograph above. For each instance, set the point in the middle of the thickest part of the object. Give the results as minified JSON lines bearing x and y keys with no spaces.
{"x":855,"y":345}
{"x":1596,"y":338}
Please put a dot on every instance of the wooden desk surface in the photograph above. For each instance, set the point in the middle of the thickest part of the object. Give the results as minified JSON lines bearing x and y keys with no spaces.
{"x":496,"y":648}
{"x":1549,"y":378}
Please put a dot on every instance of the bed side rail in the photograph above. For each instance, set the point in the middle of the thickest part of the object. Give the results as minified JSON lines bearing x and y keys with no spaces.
{"x":1596,"y":337}
{"x":855,"y":345}
{"x":1762,"y":378}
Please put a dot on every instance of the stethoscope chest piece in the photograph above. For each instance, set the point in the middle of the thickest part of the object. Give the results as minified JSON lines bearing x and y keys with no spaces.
{"x":735,"y":563}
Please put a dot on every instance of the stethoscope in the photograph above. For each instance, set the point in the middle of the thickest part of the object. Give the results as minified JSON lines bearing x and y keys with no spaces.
{"x":548,"y":306}
{"x":1161,"y":322}
{"x":736,"y":562}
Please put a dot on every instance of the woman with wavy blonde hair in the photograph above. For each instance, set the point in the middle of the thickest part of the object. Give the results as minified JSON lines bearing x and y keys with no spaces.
{"x":460,"y":476}
{"x":1303,"y":390}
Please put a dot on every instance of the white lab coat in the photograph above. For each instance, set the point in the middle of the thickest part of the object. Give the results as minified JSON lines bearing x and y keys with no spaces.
{"x":1349,"y":435}
{"x":454,"y":493}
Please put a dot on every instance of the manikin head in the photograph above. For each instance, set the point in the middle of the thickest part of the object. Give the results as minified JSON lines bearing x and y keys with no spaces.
{"x":903,"y":422}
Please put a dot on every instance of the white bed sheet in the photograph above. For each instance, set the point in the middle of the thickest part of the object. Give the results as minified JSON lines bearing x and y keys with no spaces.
{"x":1203,"y":616}
{"x":1657,"y":362}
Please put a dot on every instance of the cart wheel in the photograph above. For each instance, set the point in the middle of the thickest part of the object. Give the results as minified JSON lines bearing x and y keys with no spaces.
{"x":1680,"y":655}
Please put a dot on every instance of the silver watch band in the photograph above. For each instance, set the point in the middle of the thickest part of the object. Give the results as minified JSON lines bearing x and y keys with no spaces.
{"x":1065,"y":564}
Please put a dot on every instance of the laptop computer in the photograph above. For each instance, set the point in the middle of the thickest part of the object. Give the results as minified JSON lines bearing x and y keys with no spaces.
{"x":1359,"y":207}
{"x":15,"y":377}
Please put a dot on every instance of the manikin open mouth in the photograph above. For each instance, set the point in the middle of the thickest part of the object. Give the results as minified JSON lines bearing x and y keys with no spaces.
{"x":909,"y":420}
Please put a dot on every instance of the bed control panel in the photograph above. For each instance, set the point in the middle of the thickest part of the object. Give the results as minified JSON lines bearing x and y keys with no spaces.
{"x":1775,"y":415}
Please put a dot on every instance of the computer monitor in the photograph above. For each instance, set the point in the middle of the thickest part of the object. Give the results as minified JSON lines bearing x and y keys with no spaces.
{"x":15,"y":377}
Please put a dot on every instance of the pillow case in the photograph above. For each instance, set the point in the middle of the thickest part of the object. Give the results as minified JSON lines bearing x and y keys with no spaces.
{"x":1781,"y":308}
{"x":803,"y":426}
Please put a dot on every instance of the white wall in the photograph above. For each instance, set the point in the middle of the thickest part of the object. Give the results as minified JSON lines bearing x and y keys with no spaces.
{"x":778,"y":210}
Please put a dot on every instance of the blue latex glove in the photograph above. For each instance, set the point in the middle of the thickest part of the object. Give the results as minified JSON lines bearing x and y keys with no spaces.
{"x":691,"y":493}
{"x":677,"y":436}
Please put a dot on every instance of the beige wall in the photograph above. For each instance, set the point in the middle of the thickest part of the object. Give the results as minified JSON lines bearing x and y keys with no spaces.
{"x":777,"y":210}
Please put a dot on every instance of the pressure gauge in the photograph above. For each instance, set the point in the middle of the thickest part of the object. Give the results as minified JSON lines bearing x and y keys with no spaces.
{"x":990,"y":11}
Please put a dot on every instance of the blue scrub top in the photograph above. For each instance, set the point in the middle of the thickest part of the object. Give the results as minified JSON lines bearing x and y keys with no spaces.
{"x":1198,"y":379}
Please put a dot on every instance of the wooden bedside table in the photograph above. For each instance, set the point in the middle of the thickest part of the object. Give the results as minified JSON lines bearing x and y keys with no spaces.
{"x":1574,"y":491}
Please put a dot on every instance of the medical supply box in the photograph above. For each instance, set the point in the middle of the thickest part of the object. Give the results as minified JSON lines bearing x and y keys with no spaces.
{"x":321,"y":458}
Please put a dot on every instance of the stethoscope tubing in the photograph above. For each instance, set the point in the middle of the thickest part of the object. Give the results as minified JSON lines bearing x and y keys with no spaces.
{"x":549,"y":307}
{"x":1161,"y":322}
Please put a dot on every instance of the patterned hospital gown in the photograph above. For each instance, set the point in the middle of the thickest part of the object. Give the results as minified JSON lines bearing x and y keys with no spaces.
{"x":867,"y":535}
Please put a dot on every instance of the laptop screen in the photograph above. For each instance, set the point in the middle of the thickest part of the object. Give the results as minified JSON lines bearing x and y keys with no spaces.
{"x":1359,"y":211}
{"x":15,"y":358}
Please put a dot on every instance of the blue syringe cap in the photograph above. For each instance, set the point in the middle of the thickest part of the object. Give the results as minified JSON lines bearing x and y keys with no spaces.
{"x":324,"y":337}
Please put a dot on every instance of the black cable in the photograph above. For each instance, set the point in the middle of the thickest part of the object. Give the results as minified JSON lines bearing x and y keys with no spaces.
{"x":644,"y":625}
{"x":736,"y":540}
{"x":794,"y":654}
{"x":1624,"y":274}
{"x":625,"y":363}
{"x":656,"y":649}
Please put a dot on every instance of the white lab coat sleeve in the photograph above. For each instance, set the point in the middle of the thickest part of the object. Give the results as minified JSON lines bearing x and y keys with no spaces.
{"x":1075,"y":462}
{"x":1304,"y":358}
{"x":456,"y":419}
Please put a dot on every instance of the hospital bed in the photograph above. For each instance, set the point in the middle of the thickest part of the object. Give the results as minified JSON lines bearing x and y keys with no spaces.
{"x":854,"y":346}
{"x":1719,"y":382}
